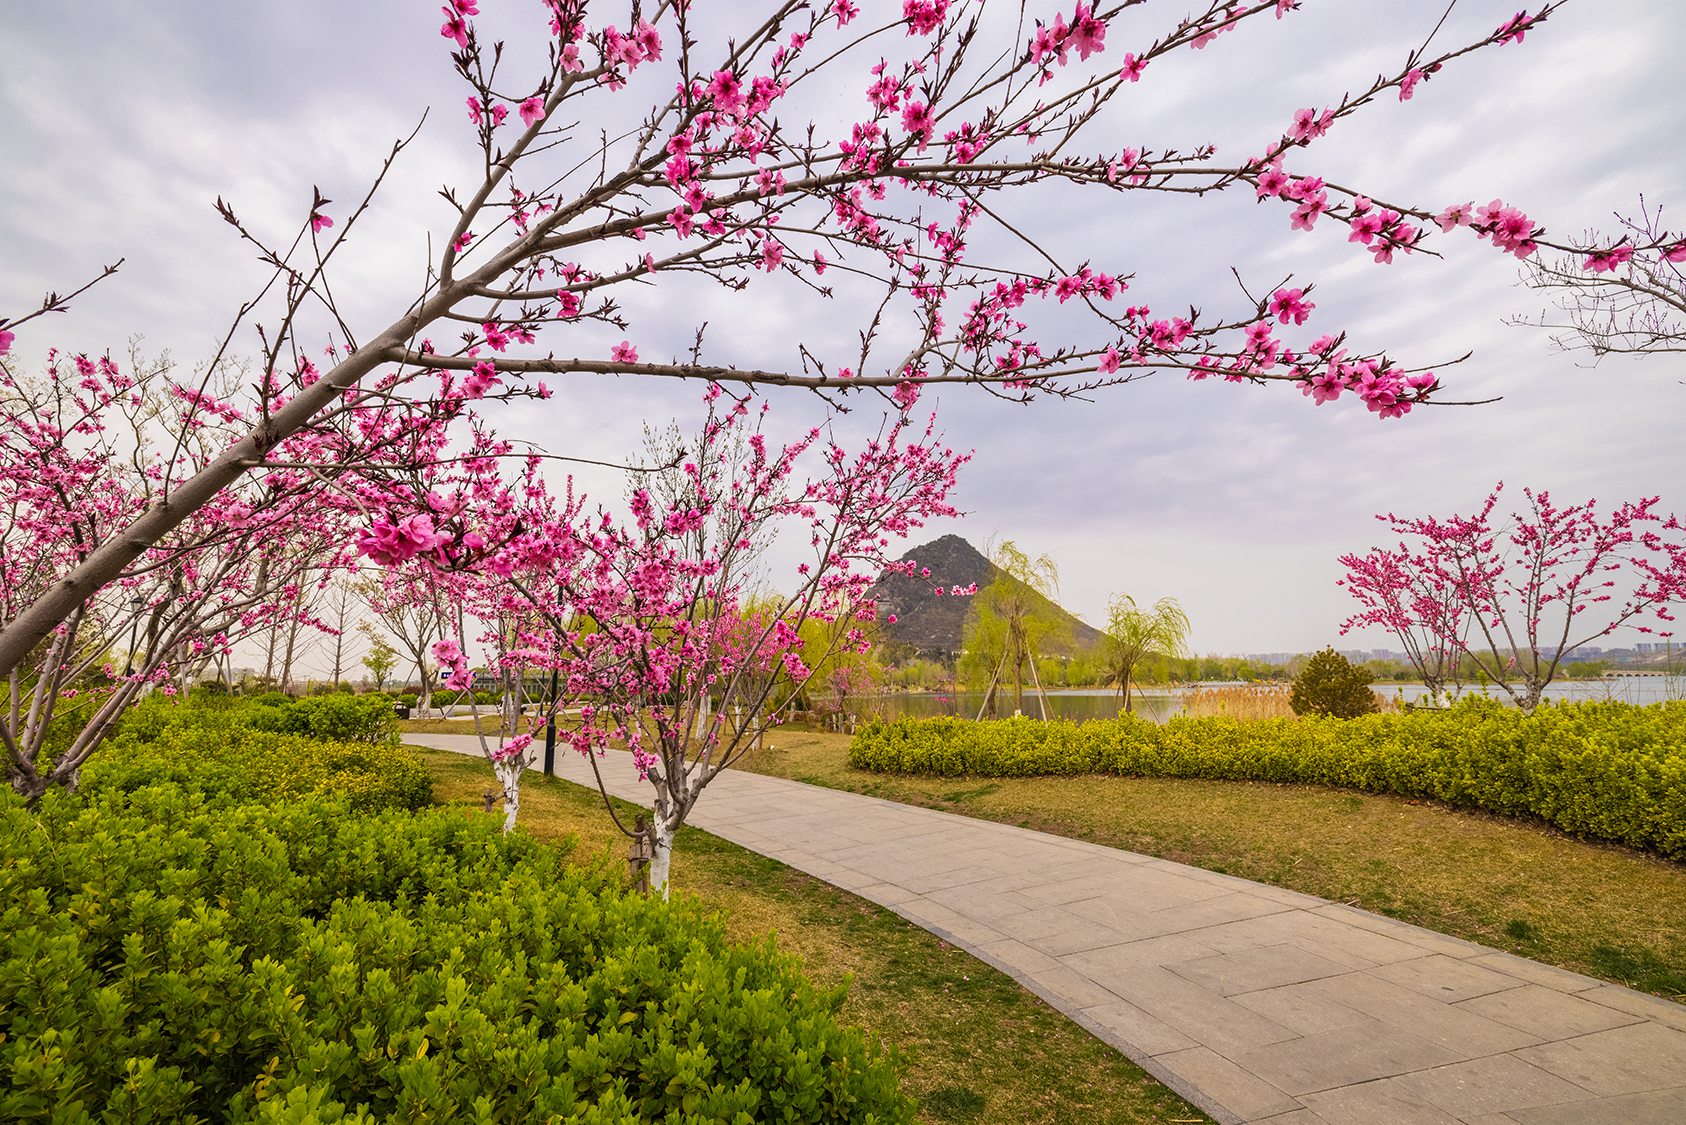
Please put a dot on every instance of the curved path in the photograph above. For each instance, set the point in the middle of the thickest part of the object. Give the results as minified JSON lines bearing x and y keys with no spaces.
{"x":1255,"y":1003}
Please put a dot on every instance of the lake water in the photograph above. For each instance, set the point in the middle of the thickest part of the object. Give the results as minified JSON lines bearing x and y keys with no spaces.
{"x":1081,"y":704}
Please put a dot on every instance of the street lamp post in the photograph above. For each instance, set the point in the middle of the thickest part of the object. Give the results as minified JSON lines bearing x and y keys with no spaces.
{"x":550,"y":730}
{"x":136,"y":604}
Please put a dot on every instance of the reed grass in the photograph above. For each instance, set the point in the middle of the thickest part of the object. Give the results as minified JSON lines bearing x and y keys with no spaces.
{"x":1255,"y":701}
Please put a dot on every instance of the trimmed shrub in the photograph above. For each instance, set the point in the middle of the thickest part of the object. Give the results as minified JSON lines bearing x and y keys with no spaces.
{"x":1611,"y":770}
{"x":170,"y":958}
{"x":1330,"y":685}
{"x":224,"y":749}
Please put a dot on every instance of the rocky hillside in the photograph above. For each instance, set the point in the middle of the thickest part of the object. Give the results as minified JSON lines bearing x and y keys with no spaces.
{"x":932,"y":624}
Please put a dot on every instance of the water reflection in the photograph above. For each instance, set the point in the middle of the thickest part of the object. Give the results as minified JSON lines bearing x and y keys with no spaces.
{"x":1159,"y":704}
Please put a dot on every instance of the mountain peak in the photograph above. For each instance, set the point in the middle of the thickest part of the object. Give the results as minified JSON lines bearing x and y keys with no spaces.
{"x":932,"y":623}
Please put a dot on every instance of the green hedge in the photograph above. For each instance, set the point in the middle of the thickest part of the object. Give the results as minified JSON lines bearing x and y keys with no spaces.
{"x":263,"y":766}
{"x":214,"y":749}
{"x":1612,"y":770}
{"x":168,"y":956}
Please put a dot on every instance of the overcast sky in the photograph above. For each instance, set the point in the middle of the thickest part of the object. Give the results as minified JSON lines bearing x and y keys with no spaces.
{"x":120,"y":124}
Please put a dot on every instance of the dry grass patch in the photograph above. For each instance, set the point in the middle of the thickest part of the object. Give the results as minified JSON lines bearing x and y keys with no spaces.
{"x":981,"y":1049}
{"x":1256,"y":701}
{"x":1592,"y":907}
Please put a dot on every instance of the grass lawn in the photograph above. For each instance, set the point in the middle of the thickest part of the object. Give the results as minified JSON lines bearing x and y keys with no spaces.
{"x":981,"y":1049}
{"x":1596,"y":908}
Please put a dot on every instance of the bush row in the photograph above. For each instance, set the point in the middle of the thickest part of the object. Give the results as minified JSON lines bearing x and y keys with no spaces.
{"x":1612,"y":770}
{"x":173,"y":954}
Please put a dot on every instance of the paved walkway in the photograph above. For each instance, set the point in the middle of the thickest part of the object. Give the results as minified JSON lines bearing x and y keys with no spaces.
{"x":1255,"y":1003}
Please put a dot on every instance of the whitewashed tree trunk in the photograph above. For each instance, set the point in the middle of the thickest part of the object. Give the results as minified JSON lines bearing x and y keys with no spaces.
{"x":663,"y":858}
{"x":509,"y":776}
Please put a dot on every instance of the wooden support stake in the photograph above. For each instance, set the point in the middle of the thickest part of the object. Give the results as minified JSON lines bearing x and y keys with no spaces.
{"x":639,"y":853}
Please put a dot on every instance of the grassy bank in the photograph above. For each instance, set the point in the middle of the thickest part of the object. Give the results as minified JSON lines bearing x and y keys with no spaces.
{"x":1600,"y":909}
{"x":983,"y":1050}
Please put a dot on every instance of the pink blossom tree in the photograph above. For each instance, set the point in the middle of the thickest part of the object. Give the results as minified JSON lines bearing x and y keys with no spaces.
{"x":1517,"y":595}
{"x":715,"y":152}
{"x":648,"y":622}
{"x":1626,"y":296}
{"x":86,"y":448}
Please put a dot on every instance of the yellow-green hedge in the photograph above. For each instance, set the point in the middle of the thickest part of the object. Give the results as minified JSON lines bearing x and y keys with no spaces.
{"x":1600,"y":769}
{"x":259,"y":765}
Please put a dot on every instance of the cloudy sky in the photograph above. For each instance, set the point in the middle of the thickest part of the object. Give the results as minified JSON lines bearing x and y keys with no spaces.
{"x":122,"y":123}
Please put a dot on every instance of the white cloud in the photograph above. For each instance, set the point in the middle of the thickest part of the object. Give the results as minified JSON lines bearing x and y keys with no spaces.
{"x":125,"y":123}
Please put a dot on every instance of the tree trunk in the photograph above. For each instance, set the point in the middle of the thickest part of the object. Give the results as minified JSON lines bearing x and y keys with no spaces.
{"x":663,"y":859}
{"x":509,"y":776}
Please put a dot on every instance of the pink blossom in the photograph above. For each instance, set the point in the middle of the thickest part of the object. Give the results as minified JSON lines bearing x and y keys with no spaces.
{"x":924,"y":16}
{"x":1109,"y":361}
{"x":1326,"y":387}
{"x":1133,"y":68}
{"x":1408,"y":85}
{"x":1509,"y":228}
{"x":680,"y":220}
{"x":1514,"y":28}
{"x":624,"y":352}
{"x":454,"y":28}
{"x":648,"y":40}
{"x":772,"y":254}
{"x":390,"y":543}
{"x":463,"y":240}
{"x":1285,"y":303}
{"x":1305,"y":215}
{"x":1308,"y":126}
{"x":1365,"y":227}
{"x":571,"y":63}
{"x":474,"y":109}
{"x":917,"y":121}
{"x":1675,"y":253}
{"x":496,"y":338}
{"x":1457,"y":215}
{"x":906,"y":395}
{"x":499,"y":112}
{"x":570,"y":303}
{"x":6,"y":339}
{"x":727,"y":93}
{"x":884,"y":94}
{"x":480,"y":380}
{"x":1304,"y":188}
{"x":844,"y":11}
{"x":1087,"y":33}
{"x":819,"y":264}
{"x":531,"y":110}
{"x":1604,"y":261}
{"x":319,"y":222}
{"x":1272,"y":182}
{"x":512,"y":749}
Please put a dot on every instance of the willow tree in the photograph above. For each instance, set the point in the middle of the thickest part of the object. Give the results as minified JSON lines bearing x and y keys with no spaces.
{"x":1132,"y":633}
{"x":1012,"y":617}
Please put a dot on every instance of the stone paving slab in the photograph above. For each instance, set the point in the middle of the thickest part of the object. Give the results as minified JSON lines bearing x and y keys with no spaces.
{"x":1255,"y":1003}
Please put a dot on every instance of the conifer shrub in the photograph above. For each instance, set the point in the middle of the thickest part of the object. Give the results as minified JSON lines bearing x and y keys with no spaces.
{"x":1330,"y":685}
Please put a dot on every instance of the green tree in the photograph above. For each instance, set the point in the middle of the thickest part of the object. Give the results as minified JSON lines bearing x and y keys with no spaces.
{"x":1329,"y":685}
{"x":380,"y":662}
{"x":1132,"y":633}
{"x":1011,"y":618}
